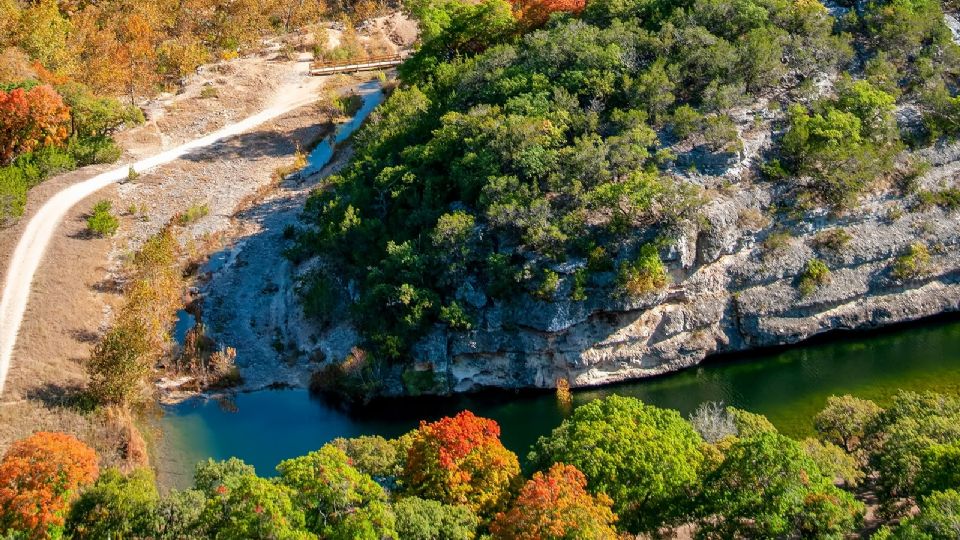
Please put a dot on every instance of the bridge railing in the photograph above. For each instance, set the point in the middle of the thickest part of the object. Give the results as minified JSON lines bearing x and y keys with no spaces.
{"x":359,"y":62}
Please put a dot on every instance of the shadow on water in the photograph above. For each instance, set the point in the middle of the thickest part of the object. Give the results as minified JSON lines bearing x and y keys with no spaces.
{"x":787,"y":385}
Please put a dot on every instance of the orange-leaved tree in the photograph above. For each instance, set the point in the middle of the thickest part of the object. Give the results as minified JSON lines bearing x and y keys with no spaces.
{"x":39,"y":476}
{"x":29,"y":119}
{"x":533,"y":13}
{"x":460,"y":460}
{"x":555,"y":505}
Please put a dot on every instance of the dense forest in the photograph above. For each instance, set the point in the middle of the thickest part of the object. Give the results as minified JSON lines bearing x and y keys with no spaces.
{"x":615,"y":467}
{"x":551,"y":150}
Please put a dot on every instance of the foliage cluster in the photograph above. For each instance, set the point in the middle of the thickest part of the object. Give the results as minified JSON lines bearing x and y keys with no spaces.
{"x":509,"y":149}
{"x":615,"y":466}
{"x":101,"y":221}
{"x":124,"y":357}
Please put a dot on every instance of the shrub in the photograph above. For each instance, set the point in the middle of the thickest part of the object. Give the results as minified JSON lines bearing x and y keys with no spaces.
{"x":833,"y":240}
{"x":776,"y":241}
{"x":815,"y":275}
{"x":456,"y":317}
{"x":102,"y":222}
{"x":948,"y":198}
{"x":548,"y":286}
{"x":194,"y":212}
{"x":644,"y":275}
{"x":912,"y":264}
{"x":13,"y":195}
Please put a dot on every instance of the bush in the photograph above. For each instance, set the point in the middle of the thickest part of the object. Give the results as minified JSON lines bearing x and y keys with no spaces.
{"x":948,"y":198}
{"x":93,"y":150}
{"x":833,"y":240}
{"x":815,"y":275}
{"x":194,"y":212}
{"x":13,"y":195}
{"x":912,"y":264}
{"x":102,"y":222}
{"x":644,"y":275}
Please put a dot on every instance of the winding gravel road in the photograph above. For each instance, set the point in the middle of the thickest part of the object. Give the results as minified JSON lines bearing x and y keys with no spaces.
{"x":32,"y":245}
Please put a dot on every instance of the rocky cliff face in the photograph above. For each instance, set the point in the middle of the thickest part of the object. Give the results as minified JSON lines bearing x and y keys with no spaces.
{"x":734,"y":288}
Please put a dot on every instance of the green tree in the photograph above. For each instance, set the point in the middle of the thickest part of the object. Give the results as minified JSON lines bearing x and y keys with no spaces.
{"x":644,"y":458}
{"x":938,"y":519}
{"x":256,"y":508}
{"x":179,"y":515}
{"x":116,"y":506}
{"x":339,"y":501}
{"x":845,"y":420}
{"x":913,"y":425}
{"x":768,"y":487}
{"x":424,"y":519}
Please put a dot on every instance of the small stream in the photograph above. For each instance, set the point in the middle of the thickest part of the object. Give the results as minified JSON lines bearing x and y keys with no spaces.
{"x":789,"y":386}
{"x":321,"y":155}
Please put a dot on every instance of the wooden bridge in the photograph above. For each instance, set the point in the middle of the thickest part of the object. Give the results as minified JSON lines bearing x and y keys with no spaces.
{"x":348,"y":66}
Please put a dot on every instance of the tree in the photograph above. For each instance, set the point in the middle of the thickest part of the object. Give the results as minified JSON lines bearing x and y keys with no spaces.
{"x":424,"y":519}
{"x":713,"y":422}
{"x":179,"y":515}
{"x":213,"y":477}
{"x":909,"y":436}
{"x":844,"y":421}
{"x":30,"y":119}
{"x":116,"y":506}
{"x":534,"y":13}
{"x":768,"y":487}
{"x":460,"y":460}
{"x":119,"y":364}
{"x":39,"y":476}
{"x":938,"y":519}
{"x":556,"y":505}
{"x":42,"y":32}
{"x":339,"y":501}
{"x":646,"y":459}
{"x":834,"y":461}
{"x":373,"y":455}
{"x":255,"y":508}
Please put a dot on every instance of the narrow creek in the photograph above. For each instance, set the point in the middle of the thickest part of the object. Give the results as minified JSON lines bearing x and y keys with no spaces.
{"x":788,"y":386}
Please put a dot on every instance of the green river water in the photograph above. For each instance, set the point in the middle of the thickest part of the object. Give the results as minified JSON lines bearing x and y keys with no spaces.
{"x":788,"y":386}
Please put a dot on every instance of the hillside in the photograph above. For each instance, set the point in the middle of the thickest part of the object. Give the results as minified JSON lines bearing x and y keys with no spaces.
{"x":633,"y":186}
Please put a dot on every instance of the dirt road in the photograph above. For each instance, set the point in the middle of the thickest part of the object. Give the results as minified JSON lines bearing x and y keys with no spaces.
{"x":33,"y":243}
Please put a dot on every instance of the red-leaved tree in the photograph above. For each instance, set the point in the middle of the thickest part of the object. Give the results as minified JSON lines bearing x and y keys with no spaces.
{"x":39,"y":476}
{"x":555,"y":505}
{"x":460,"y":460}
{"x":533,"y":13}
{"x":30,"y":119}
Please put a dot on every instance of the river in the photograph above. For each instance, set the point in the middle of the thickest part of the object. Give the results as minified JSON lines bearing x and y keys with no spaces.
{"x":788,"y":386}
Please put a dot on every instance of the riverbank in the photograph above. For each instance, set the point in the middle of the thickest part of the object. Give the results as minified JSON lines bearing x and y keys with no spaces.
{"x":787,"y":385}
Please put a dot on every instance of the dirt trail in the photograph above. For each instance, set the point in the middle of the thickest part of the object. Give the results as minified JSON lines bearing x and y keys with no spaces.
{"x":39,"y":231}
